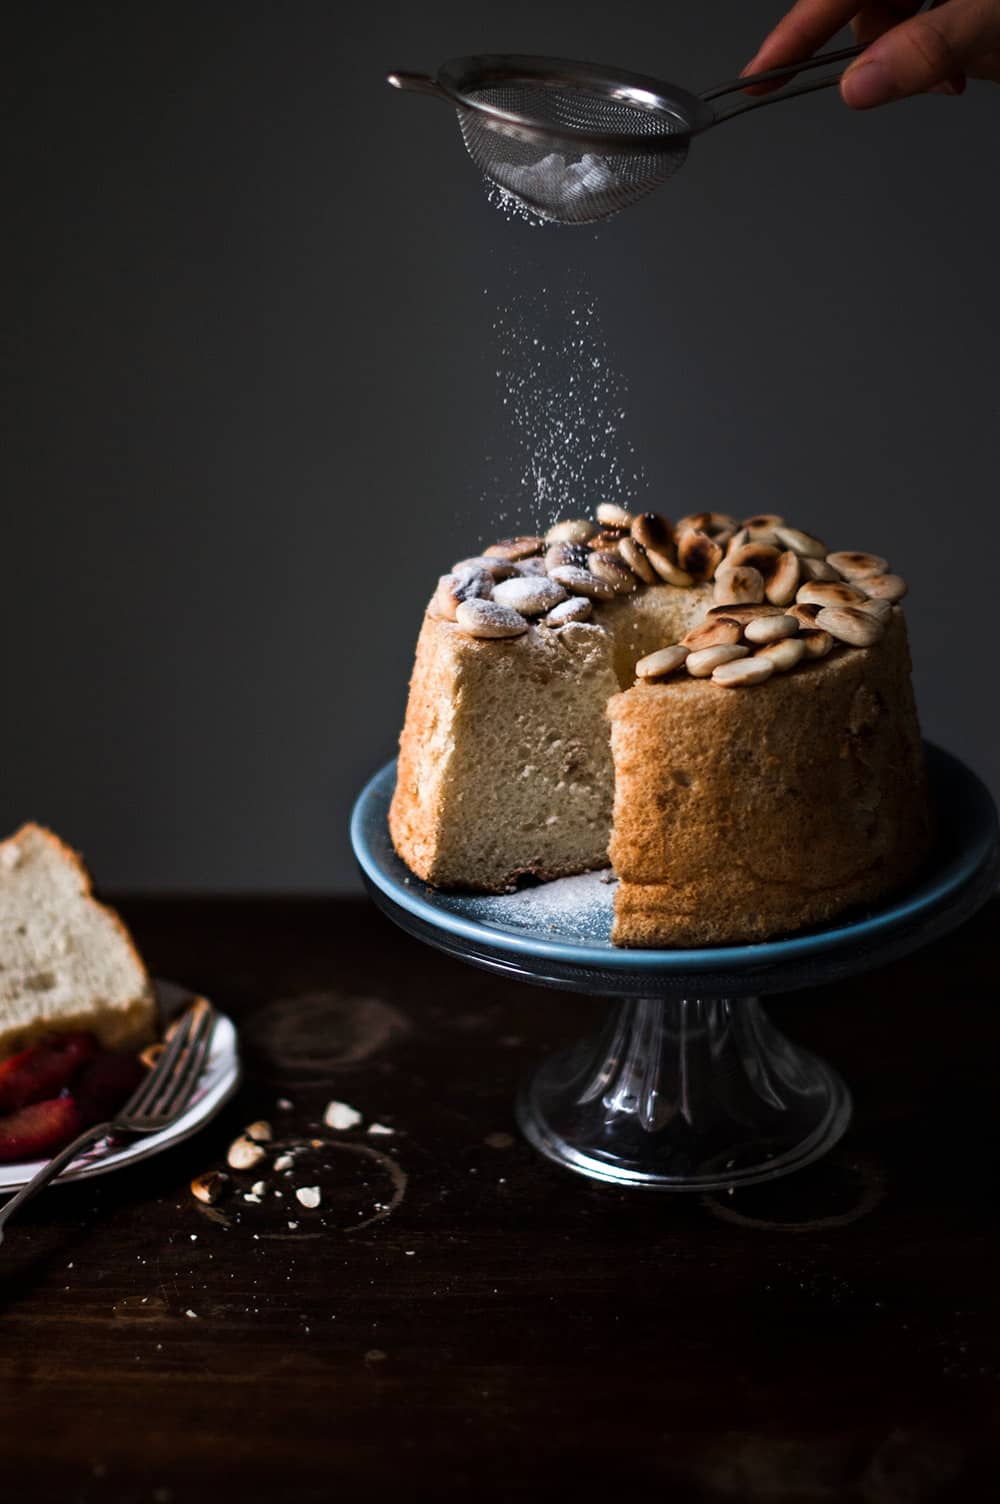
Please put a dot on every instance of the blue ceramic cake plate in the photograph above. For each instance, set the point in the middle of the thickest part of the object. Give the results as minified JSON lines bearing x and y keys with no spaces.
{"x":688,"y":1086}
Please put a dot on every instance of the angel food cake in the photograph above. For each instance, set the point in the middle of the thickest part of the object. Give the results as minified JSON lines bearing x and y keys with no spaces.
{"x":67,"y":962}
{"x":723,"y":709}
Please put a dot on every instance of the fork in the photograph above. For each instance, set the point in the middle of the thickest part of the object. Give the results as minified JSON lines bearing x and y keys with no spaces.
{"x":157,"y":1101}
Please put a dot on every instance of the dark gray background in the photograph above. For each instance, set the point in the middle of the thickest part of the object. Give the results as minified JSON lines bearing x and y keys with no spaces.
{"x":249,"y":389}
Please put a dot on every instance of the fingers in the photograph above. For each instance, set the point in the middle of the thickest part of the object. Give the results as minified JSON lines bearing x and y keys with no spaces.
{"x":797,"y":35}
{"x":930,"y":49}
{"x":875,"y":20}
{"x":811,"y":23}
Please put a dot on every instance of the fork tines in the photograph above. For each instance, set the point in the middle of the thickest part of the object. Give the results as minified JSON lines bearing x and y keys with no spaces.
{"x":167,"y":1088}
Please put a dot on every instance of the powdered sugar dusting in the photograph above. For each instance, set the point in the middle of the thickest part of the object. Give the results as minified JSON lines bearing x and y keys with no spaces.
{"x":570,"y":908}
{"x":563,"y":409}
{"x":558,"y":185}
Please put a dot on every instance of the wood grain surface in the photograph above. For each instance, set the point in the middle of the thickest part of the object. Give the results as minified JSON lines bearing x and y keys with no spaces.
{"x":459,"y":1319}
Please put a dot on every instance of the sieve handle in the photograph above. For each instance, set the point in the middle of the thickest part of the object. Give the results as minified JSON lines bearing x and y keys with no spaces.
{"x":416,"y":83}
{"x":776,"y":75}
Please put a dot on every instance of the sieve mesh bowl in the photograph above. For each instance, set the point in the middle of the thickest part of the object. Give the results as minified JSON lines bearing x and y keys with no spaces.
{"x":554,"y":168}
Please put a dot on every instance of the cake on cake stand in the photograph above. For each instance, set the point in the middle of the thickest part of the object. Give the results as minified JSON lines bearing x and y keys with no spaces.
{"x":688,"y":1086}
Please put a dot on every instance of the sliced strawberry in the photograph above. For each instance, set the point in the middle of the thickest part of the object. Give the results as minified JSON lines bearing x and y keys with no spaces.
{"x":41,"y":1072}
{"x":37,"y":1131}
{"x":105,"y":1084}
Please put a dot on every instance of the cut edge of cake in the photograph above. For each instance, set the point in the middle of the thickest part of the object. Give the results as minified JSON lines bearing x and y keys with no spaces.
{"x":67,"y":961}
{"x":718,"y":616}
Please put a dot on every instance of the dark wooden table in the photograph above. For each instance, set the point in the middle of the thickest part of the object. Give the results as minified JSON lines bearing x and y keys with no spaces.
{"x":459,"y":1319}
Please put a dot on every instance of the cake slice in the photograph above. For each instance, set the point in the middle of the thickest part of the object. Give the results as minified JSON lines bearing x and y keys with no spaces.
{"x":67,"y":962}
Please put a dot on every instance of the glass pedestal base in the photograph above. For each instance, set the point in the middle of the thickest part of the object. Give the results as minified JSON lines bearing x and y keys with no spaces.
{"x":688,"y":1087}
{"x":695,"y":1095}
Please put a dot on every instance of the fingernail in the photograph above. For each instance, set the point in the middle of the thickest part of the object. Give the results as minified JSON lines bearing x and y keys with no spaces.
{"x":866,"y":85}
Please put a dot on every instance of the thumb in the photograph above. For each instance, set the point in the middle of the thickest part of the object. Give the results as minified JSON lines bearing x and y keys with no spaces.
{"x":931,"y":48}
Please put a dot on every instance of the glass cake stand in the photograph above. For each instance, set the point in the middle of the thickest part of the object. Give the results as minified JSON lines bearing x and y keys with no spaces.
{"x":687,"y":1086}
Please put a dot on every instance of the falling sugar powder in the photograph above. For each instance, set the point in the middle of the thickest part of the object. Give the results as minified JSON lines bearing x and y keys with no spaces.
{"x":512,"y":207}
{"x":562,"y":409}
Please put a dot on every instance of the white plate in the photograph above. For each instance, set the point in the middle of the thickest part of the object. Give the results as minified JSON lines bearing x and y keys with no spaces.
{"x":219,"y":1080}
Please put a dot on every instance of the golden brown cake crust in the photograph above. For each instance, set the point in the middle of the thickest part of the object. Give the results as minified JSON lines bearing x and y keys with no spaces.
{"x":740,"y":816}
{"x":780,"y":792}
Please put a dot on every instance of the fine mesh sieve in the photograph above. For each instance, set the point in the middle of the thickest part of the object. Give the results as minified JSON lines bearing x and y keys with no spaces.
{"x":576,"y":142}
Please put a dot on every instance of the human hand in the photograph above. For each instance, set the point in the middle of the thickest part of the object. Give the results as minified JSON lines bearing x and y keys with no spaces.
{"x":905,"y":53}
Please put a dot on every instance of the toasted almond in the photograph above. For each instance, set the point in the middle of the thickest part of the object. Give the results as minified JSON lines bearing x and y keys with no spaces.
{"x":498,"y":569}
{"x":784,"y":655}
{"x":610,"y":514}
{"x":260,"y":1132}
{"x":635,"y":557}
{"x":607,"y":540}
{"x":566,"y":553}
{"x":816,"y":642}
{"x":784,"y":580}
{"x":718,"y":631}
{"x":613,"y":571}
{"x":801,"y":543}
{"x":530,"y":568}
{"x":884,"y":587}
{"x":453,"y":589}
{"x":514,"y":548}
{"x":572,"y":530}
{"x":854,"y":566}
{"x":805,"y":614}
{"x":487,"y":619}
{"x":744,"y":613}
{"x":770,"y":629}
{"x":701,"y":521}
{"x":582,"y":582}
{"x":473,"y":583}
{"x":763,"y":519}
{"x":532,"y":597}
{"x":821,"y":593}
{"x":712,"y":523}
{"x":698,"y":554}
{"x":878,"y":607}
{"x":759,"y":556}
{"x":657,"y":665}
{"x":706,"y":660}
{"x":851,"y":626}
{"x":819,"y":569}
{"x":244,"y":1154}
{"x":209,"y":1187}
{"x":653,"y":530}
{"x":739,"y":586}
{"x":341,"y":1117}
{"x":667,"y":570}
{"x":574,"y":608}
{"x":748,"y":671}
{"x":763,"y":535}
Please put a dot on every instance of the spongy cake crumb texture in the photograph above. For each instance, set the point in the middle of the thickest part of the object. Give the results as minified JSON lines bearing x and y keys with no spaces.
{"x":66,"y":961}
